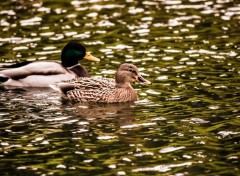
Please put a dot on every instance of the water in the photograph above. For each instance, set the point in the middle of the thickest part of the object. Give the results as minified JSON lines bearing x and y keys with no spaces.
{"x":185,"y":123}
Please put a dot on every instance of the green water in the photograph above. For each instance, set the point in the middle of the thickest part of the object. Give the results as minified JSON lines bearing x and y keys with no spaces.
{"x":185,"y":123}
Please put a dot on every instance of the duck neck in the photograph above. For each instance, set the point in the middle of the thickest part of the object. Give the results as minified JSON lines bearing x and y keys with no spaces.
{"x":123,"y":85}
{"x":79,"y":70}
{"x":121,"y":82}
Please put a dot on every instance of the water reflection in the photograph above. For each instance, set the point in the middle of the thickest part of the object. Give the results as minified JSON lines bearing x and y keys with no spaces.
{"x":186,"y":123}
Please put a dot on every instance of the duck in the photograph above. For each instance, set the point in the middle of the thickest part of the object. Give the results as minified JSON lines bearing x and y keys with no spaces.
{"x":43,"y":73}
{"x":103,"y":90}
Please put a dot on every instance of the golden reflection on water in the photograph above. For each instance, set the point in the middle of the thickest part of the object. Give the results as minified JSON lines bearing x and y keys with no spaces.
{"x":185,"y":123}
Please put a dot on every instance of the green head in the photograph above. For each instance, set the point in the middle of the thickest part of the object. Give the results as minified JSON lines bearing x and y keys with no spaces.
{"x":73,"y":52}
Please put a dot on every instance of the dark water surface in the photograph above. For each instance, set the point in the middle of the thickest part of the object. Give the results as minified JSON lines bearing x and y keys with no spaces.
{"x":186,"y":123}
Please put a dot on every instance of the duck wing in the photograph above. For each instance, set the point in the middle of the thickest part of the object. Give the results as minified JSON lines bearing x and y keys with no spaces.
{"x":16,"y":65}
{"x":92,"y":83}
{"x":88,"y":95}
{"x":84,"y":83}
{"x":105,"y":95}
{"x":34,"y":68}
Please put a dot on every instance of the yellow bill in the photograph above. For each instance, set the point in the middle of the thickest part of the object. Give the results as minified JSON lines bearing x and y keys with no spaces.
{"x":90,"y":57}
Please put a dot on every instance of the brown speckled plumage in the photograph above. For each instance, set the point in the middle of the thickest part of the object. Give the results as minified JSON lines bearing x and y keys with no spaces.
{"x":106,"y":90}
{"x":112,"y":95}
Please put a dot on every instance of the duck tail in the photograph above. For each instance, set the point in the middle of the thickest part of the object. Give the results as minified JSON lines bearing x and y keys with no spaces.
{"x":55,"y":87}
{"x":62,"y":87}
{"x":3,"y":78}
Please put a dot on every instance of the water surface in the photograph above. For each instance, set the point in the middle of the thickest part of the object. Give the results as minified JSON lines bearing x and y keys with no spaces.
{"x":185,"y":123}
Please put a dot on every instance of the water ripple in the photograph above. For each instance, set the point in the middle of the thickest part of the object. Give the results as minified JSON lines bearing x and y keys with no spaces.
{"x":162,"y":168}
{"x":189,"y":50}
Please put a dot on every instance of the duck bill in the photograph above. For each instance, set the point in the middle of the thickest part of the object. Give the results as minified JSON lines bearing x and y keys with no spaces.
{"x":143,"y":80}
{"x":90,"y":57}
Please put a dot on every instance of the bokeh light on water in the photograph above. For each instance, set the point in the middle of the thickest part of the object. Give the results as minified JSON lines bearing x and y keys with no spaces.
{"x":185,"y":123}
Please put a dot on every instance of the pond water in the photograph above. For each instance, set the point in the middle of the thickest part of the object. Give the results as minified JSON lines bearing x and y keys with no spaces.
{"x":186,"y":123}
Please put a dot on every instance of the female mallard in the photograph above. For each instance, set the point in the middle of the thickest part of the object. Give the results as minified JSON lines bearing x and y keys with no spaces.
{"x":103,"y":89}
{"x":41,"y":74}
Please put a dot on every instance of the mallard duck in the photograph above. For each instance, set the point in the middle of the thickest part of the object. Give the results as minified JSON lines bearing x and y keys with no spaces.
{"x":41,"y":74}
{"x":105,"y":90}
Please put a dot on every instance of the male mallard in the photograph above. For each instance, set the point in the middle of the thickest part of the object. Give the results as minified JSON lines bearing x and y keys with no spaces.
{"x":106,"y":90}
{"x":41,"y":74}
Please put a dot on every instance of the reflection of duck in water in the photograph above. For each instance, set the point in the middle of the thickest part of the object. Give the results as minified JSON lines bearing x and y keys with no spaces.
{"x":122,"y":113}
{"x":41,"y":74}
{"x":105,"y":90}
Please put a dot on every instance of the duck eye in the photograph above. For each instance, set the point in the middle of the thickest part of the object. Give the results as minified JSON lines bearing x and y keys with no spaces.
{"x":132,"y":70}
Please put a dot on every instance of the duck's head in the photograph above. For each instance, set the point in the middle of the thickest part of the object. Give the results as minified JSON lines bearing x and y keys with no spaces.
{"x":128,"y":73}
{"x":73,"y":52}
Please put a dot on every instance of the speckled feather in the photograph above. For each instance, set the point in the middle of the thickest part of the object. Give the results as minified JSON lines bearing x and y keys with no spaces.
{"x":110,"y":95}
{"x":93,"y":83}
{"x":105,"y":90}
{"x":99,"y":90}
